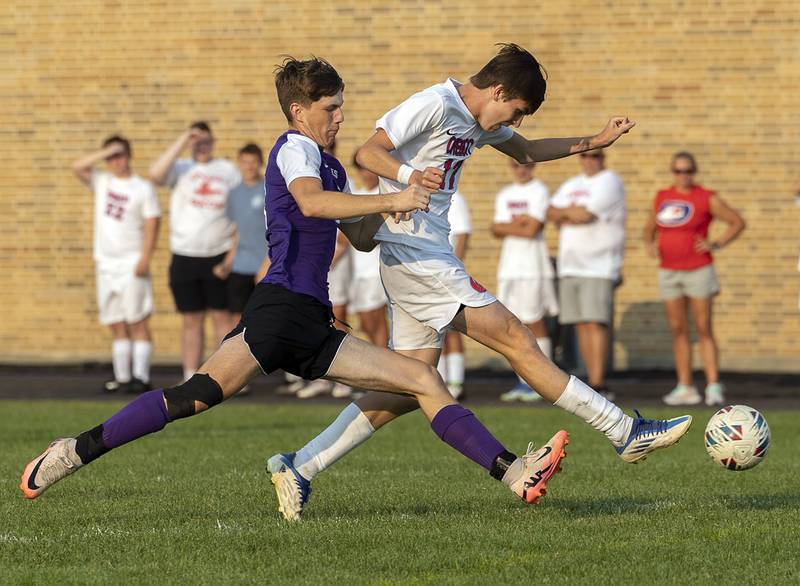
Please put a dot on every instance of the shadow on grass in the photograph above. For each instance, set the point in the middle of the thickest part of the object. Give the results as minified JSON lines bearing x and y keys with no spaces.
{"x":603,"y":507}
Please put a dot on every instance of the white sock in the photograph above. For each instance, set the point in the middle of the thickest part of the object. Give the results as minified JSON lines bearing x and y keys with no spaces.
{"x":291,"y":378}
{"x":442,"y":366}
{"x":546,"y":346}
{"x":455,"y":369}
{"x":347,"y":432}
{"x":596,"y":410}
{"x":187,"y":374}
{"x":142,"y":351}
{"x":121,"y":360}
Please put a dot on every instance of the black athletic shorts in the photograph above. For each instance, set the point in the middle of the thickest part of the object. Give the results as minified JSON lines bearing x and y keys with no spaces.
{"x":288,"y":330}
{"x":240,"y":287}
{"x":193,"y":284}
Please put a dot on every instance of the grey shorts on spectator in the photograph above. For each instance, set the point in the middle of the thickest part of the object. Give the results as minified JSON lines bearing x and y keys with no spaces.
{"x":585,"y":299}
{"x":700,"y":283}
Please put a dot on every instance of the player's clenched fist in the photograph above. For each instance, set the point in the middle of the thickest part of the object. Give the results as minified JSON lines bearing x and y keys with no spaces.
{"x":408,"y":201}
{"x":615,"y":128}
{"x":431,"y":178}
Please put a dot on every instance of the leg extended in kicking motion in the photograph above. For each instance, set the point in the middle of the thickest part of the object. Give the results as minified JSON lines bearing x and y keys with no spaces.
{"x":361,"y":364}
{"x":227,"y":371}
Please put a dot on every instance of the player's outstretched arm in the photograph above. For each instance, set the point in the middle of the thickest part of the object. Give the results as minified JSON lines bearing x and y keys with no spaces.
{"x":547,"y":149}
{"x":83,"y":166}
{"x":314,"y":202}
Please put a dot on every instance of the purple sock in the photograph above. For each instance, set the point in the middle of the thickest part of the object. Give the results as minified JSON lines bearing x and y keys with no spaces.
{"x":459,"y":428}
{"x":145,"y":414}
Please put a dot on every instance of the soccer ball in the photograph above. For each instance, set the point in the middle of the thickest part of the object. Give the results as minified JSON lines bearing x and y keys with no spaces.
{"x":737,"y":437}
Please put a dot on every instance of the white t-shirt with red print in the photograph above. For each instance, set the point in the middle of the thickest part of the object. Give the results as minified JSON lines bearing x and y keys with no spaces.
{"x":198,"y":224}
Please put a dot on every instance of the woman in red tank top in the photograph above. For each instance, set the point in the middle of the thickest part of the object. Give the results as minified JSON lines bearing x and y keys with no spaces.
{"x":677,"y":233}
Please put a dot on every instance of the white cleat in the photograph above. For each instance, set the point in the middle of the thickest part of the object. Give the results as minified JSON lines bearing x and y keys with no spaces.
{"x":292,"y":489}
{"x":648,"y":435}
{"x":56,"y":462}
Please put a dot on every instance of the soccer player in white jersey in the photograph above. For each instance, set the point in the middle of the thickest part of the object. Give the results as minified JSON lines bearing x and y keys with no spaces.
{"x":126,"y":220}
{"x":425,"y":141}
{"x":524,"y":273}
{"x":200,"y":235}
{"x":451,"y":362}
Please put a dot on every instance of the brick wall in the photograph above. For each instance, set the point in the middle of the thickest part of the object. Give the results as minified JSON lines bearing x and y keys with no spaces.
{"x":718,"y":78}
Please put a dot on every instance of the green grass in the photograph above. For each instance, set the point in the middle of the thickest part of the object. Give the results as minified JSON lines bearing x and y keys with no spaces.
{"x":193,"y":505}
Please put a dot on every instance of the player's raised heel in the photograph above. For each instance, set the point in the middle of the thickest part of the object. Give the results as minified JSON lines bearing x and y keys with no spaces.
{"x":291,"y":488}
{"x":648,"y":435}
{"x":537,"y":467}
{"x":56,"y":462}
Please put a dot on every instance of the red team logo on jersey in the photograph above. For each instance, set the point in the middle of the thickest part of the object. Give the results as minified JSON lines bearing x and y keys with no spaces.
{"x":674,"y":213}
{"x":477,"y":286}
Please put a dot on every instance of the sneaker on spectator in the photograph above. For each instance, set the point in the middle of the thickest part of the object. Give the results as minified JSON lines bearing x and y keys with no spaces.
{"x":315,"y":389}
{"x":715,"y":394}
{"x":683,"y":395}
{"x":341,"y":391}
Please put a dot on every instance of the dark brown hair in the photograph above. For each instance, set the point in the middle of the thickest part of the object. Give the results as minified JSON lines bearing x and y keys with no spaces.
{"x":518,"y":72}
{"x":121,"y":140}
{"x":252,"y":148}
{"x":201,"y":125}
{"x":305,"y":82}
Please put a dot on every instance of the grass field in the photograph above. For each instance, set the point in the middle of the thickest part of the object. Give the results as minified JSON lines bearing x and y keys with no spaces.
{"x":193,"y":505}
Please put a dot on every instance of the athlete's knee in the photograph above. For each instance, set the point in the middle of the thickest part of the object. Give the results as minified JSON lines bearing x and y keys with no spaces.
{"x":181,"y":399}
{"x":426,"y":381}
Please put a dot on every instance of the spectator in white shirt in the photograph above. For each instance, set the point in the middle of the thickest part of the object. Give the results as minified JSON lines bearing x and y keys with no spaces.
{"x":200,"y":235}
{"x":590,"y":211}
{"x":524,"y":274}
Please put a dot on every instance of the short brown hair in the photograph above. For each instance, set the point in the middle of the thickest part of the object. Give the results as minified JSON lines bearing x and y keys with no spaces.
{"x":518,"y":72}
{"x":685,"y":155}
{"x":126,"y":145}
{"x":252,"y":148}
{"x":305,"y":82}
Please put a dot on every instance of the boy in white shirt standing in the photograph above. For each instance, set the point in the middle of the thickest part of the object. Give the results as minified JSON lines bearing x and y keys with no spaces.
{"x":590,"y":211}
{"x":524,"y":274}
{"x":126,"y":220}
{"x":200,"y":235}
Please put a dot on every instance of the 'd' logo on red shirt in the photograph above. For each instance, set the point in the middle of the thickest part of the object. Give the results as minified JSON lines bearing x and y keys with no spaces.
{"x":674,"y":213}
{"x":477,"y":286}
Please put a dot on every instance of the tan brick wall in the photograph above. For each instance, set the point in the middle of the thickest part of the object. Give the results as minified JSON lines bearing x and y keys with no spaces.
{"x":718,"y":78}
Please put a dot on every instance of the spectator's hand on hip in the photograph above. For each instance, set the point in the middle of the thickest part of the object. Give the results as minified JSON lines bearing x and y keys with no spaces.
{"x":142,"y":268}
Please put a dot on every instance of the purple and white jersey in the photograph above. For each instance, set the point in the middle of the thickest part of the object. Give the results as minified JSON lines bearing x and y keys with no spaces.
{"x":300,"y":248}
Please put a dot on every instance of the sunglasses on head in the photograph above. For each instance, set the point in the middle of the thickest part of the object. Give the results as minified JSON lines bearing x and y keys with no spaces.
{"x":591,"y":155}
{"x":683,"y":171}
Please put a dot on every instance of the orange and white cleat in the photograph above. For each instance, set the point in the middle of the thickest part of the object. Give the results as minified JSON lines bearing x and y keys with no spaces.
{"x":56,"y":462}
{"x":528,"y":476}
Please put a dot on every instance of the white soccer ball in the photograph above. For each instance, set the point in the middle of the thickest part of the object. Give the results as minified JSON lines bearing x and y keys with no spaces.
{"x":737,"y":437}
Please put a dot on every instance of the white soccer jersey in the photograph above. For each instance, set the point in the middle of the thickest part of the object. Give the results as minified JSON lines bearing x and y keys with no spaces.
{"x":432,"y":128}
{"x":458,"y":217}
{"x":120,"y":208}
{"x":523,"y":257}
{"x":198,"y":224}
{"x":594,"y":249}
{"x":366,"y":265}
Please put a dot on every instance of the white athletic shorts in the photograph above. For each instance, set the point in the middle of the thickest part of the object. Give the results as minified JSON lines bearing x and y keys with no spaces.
{"x":425,"y":290}
{"x":121,"y":295}
{"x":530,"y":298}
{"x":339,"y":278}
{"x":366,"y":294}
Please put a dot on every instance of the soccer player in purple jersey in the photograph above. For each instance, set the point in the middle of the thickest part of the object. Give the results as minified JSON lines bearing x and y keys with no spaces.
{"x":288,"y":323}
{"x":426,"y":141}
